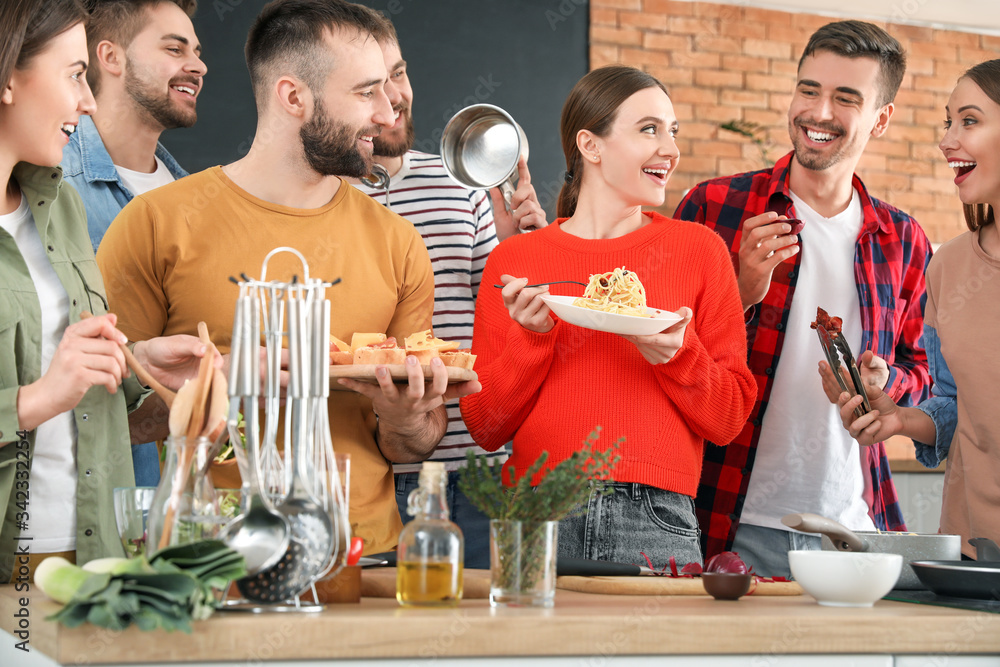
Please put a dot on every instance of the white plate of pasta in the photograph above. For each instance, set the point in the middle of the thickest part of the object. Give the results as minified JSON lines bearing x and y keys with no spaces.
{"x":598,"y":320}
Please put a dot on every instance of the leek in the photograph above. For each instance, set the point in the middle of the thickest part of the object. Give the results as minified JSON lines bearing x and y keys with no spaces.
{"x":118,"y":566}
{"x":59,"y":579}
{"x":168,"y":592}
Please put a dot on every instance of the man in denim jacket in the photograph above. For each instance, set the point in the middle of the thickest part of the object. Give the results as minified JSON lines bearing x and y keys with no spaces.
{"x":146,"y":73}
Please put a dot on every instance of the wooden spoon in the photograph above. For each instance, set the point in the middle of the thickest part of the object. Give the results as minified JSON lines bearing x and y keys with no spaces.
{"x":179,"y":422}
{"x":218,"y":406}
{"x":200,"y":389}
{"x":180,"y":411}
{"x":215,"y":424}
{"x":166,"y":394}
{"x":205,"y":377}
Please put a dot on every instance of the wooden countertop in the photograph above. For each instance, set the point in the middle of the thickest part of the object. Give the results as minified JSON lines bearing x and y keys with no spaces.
{"x":579,"y":624}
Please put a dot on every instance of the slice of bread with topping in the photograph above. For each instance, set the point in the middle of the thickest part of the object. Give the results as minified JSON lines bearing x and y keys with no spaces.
{"x":459,"y":358}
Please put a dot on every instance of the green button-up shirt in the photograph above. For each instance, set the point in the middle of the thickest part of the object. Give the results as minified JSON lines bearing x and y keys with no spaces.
{"x":103,"y":453}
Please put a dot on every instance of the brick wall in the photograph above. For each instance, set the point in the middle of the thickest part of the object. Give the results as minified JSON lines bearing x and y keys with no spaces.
{"x":731,"y":62}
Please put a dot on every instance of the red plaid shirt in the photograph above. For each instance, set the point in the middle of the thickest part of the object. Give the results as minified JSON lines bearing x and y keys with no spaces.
{"x":891,"y":255}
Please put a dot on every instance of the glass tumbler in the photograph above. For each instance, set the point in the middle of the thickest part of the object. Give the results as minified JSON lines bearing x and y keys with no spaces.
{"x":132,"y":505}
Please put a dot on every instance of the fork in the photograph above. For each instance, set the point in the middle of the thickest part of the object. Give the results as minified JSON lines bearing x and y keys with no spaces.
{"x":554,"y":282}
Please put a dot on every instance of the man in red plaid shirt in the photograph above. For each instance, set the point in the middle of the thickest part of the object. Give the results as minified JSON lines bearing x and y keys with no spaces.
{"x":857,"y":258}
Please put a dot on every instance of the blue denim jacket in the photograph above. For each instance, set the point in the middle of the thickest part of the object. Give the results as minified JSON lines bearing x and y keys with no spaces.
{"x":88,"y":168}
{"x":943,"y":408}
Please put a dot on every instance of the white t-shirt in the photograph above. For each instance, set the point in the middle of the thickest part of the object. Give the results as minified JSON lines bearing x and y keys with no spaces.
{"x":139,"y":183}
{"x":53,"y":469}
{"x":806,"y":460}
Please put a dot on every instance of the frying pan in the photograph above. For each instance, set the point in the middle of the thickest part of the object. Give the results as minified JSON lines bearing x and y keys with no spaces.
{"x":911,"y":546}
{"x":978,"y":579}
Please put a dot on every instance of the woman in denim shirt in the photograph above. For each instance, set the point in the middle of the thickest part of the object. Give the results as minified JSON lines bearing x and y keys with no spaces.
{"x":64,"y":443}
{"x":963,"y":289}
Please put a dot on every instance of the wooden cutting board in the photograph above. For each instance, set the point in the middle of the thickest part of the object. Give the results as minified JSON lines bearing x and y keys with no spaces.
{"x":649,"y":585}
{"x":366,"y":373}
{"x":380,"y":582}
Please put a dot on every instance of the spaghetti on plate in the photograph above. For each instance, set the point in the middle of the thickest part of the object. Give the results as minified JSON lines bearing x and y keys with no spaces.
{"x":617,"y":291}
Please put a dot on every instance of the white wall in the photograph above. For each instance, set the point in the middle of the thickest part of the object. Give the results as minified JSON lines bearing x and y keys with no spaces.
{"x":980,"y":16}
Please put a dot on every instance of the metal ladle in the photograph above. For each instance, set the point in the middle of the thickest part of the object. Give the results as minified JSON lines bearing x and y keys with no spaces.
{"x":379,"y":179}
{"x":259,"y":533}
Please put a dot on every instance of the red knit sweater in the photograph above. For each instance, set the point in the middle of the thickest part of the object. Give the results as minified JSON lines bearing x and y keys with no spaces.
{"x":548,"y":391}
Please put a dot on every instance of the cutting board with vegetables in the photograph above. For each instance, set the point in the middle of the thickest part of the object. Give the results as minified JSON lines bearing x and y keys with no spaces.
{"x":651,"y":585}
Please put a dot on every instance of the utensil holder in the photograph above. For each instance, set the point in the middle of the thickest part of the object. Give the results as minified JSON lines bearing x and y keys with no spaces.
{"x":306,"y":491}
{"x":185,"y":507}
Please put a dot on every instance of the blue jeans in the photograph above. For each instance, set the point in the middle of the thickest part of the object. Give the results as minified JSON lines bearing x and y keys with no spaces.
{"x":474,"y":524}
{"x":146,"y":464}
{"x":766,"y":549}
{"x":634,"y":519}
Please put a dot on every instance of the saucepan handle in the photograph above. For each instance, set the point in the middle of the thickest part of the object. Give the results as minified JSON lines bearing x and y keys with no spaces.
{"x":507,"y":190}
{"x":986,"y":549}
{"x":843,"y":538}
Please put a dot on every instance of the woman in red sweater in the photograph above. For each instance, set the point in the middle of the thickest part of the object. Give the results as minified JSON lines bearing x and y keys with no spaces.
{"x":547,"y":383}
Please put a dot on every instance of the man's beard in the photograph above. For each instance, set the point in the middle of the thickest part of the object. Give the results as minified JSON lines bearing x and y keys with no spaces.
{"x":386,"y":147}
{"x":160,"y":108}
{"x":331,"y":147}
{"x":805,"y":154}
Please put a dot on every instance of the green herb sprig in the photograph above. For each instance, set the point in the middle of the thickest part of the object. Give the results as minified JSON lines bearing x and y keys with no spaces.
{"x":521,"y":555}
{"x":562,"y":492}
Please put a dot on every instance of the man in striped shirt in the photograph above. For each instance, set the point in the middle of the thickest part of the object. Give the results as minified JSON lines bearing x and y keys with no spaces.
{"x":460,"y":228}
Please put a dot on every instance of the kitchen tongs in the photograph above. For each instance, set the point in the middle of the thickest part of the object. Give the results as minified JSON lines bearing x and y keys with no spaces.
{"x":834,"y":348}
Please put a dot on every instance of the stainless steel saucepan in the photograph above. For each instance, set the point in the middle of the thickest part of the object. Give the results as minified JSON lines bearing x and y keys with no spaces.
{"x":480,"y":148}
{"x":911,"y":546}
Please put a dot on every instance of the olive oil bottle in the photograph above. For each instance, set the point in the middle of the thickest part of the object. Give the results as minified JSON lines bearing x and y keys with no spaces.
{"x":431,"y":548}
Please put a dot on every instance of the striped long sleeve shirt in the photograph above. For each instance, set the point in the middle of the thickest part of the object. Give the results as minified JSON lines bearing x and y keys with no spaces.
{"x":456,"y":224}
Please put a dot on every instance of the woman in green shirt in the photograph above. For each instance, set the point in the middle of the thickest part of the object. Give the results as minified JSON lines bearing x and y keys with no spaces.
{"x":64,"y":385}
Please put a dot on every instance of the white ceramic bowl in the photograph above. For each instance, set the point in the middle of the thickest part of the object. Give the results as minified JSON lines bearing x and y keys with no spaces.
{"x":845,"y":579}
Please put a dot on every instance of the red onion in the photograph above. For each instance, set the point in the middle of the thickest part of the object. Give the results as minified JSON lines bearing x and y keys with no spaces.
{"x":691,"y":568}
{"x":727,"y":561}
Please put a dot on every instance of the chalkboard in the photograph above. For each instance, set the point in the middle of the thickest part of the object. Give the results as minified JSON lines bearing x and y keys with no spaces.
{"x":521,"y":55}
